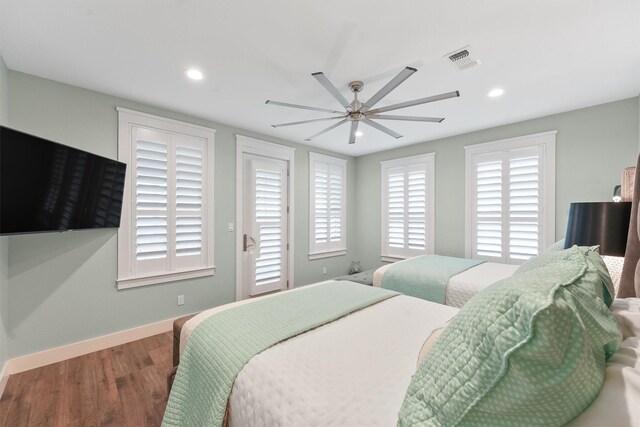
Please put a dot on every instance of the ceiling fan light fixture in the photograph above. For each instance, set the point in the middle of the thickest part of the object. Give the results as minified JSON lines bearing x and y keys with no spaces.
{"x":359,"y":133}
{"x":494,"y":93}
{"x":194,"y":74}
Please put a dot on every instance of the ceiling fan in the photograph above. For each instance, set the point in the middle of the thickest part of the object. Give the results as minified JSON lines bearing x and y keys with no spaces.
{"x":356,"y":111}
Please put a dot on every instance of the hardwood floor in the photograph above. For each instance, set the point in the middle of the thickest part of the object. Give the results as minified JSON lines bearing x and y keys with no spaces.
{"x":120,"y":386}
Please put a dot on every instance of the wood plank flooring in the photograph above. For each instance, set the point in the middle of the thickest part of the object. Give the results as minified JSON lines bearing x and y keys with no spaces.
{"x":120,"y":386}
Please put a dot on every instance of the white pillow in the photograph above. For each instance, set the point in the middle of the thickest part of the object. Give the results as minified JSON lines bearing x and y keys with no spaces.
{"x":627,"y":313}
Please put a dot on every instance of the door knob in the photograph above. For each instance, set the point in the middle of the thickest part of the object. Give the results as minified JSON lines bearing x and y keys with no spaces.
{"x":246,"y":245}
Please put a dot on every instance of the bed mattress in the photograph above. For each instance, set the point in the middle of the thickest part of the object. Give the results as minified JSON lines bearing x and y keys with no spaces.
{"x":462,"y":287}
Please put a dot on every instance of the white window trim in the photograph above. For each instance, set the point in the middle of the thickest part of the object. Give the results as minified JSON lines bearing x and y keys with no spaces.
{"x":126,"y":120}
{"x":429,"y":160}
{"x":546,"y":140}
{"x":315,"y":253}
{"x":245,"y":144}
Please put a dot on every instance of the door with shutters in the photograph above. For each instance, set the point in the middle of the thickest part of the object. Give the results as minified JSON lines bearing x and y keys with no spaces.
{"x":265,"y":225}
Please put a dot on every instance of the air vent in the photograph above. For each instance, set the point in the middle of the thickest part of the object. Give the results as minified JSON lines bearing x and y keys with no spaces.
{"x":463,"y":58}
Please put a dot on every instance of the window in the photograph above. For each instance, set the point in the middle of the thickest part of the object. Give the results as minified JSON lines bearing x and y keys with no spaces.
{"x":510,"y":198}
{"x":327,"y":206}
{"x":407,"y":207}
{"x":166,"y":229}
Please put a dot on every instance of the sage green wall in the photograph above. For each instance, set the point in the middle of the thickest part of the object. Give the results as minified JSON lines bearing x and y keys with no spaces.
{"x":4,"y":241}
{"x":593,"y":146}
{"x":62,"y":286}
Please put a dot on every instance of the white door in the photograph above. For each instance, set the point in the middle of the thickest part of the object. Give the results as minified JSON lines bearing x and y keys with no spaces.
{"x":265,"y":225}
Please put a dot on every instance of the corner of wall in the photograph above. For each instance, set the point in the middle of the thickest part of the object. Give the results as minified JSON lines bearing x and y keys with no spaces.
{"x":4,"y":242}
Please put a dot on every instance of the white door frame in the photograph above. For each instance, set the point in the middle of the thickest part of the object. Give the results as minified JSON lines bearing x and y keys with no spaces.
{"x":248,"y":145}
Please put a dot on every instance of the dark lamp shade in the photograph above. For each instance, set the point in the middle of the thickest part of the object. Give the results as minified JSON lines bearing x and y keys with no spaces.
{"x":599,"y":223}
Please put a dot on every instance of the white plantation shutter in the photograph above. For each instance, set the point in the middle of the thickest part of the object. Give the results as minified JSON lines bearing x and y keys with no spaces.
{"x":407,"y":207}
{"x":327,"y":196}
{"x":168,"y":201}
{"x":488,"y":176}
{"x":188,"y":201}
{"x":269,"y":222}
{"x":165,"y":228}
{"x":396,"y":209}
{"x":524,"y":207}
{"x":151,"y":197}
{"x":336,"y":203}
{"x":269,"y":208}
{"x":510,"y":198}
{"x":416,"y":209}
{"x":320,"y":182}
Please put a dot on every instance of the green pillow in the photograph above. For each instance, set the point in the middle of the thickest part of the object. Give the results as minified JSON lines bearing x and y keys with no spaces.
{"x":605,"y":290}
{"x":528,"y":350}
{"x":546,"y":257}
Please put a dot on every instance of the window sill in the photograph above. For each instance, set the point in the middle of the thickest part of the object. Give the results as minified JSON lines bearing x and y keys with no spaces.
{"x":388,"y":258}
{"x":134,"y":282}
{"x":320,"y":255}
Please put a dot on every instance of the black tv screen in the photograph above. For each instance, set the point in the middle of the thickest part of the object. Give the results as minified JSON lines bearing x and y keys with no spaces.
{"x":46,"y":186}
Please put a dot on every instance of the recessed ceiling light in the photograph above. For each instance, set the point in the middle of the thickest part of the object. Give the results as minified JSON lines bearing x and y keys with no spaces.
{"x":495,"y":93}
{"x":194,"y":74}
{"x":358,"y":133}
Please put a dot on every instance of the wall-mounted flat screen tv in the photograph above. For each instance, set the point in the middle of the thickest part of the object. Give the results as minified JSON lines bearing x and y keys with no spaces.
{"x":46,"y":186}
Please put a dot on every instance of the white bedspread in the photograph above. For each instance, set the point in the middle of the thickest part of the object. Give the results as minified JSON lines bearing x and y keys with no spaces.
{"x":618,"y":403}
{"x":465,"y":285}
{"x":353,"y":371}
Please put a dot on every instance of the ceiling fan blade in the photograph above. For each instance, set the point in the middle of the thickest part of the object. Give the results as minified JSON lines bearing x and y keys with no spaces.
{"x":394,"y":83}
{"x":307,"y":121}
{"x":327,"y":129}
{"x":324,"y":81}
{"x":352,"y":133}
{"x":407,"y":118}
{"x":378,"y":126}
{"x":304,"y":107}
{"x":416,"y":102}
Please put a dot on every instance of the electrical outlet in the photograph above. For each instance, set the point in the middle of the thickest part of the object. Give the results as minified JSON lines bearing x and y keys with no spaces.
{"x":324,"y":270}
{"x":180,"y":299}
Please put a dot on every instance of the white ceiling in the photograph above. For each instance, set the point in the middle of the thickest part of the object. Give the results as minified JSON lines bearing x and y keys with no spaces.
{"x":548,"y":55}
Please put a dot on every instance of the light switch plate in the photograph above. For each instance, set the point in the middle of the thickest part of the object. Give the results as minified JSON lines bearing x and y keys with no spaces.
{"x":230,"y":227}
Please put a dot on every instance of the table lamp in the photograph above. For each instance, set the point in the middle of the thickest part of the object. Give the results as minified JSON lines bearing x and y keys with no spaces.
{"x":601,"y":223}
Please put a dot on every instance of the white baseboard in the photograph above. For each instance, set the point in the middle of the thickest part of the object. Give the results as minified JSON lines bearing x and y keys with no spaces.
{"x":58,"y":354}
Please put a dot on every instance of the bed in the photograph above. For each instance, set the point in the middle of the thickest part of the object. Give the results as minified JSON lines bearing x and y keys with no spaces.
{"x":355,"y":370}
{"x":362,"y":384}
{"x":461,"y":286}
{"x":546,"y":346}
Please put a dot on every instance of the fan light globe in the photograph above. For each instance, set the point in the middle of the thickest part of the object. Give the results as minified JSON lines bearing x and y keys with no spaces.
{"x":495,"y":93}
{"x":194,"y":74}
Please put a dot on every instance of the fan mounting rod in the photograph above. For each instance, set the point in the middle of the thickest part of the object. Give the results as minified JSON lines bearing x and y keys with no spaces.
{"x":356,"y":105}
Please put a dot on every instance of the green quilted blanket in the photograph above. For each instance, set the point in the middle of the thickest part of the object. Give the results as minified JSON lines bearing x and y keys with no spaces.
{"x":425,"y":276}
{"x":222,"y":344}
